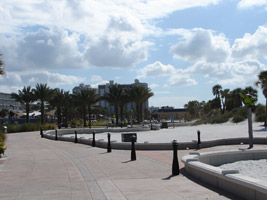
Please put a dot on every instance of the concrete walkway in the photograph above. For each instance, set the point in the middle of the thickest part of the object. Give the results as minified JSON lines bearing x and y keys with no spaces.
{"x":39,"y":168}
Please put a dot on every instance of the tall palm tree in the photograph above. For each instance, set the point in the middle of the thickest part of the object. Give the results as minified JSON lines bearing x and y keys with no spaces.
{"x":81,"y":99}
{"x":262,"y":76}
{"x":43,"y":93}
{"x":25,"y":96}
{"x":123,"y":100}
{"x":216,"y":90}
{"x":224,"y":94}
{"x":1,"y":66}
{"x":139,"y":95}
{"x":57,"y":100}
{"x":113,"y":97}
{"x":93,"y":98}
{"x":67,"y":104}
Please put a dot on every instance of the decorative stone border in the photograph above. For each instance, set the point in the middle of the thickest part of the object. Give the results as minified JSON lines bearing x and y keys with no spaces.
{"x":203,"y":167}
{"x":146,"y":145}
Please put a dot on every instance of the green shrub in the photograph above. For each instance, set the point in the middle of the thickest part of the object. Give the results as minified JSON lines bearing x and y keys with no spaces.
{"x":2,"y":136}
{"x":238,"y":118}
{"x":12,"y":128}
{"x":260,"y":113}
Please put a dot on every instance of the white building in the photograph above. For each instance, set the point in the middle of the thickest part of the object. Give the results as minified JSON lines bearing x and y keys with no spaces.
{"x":6,"y":102}
{"x":81,"y":87}
{"x":103,"y":89}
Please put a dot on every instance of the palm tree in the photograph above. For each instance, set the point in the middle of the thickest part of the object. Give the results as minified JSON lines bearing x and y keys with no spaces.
{"x":66,"y":107}
{"x":81,"y":99}
{"x":43,"y":93}
{"x":113,"y":97}
{"x":216,"y":90}
{"x":57,"y":100}
{"x":224,"y":94}
{"x":139,"y":95}
{"x":262,"y":76}
{"x":1,"y":66}
{"x":93,"y":98}
{"x":25,"y":96}
{"x":123,"y":100}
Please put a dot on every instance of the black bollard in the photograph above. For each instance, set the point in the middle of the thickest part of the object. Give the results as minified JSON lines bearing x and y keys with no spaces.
{"x":41,"y":132}
{"x":198,"y":137}
{"x":76,"y":138}
{"x":109,"y":145}
{"x":56,"y":134}
{"x":175,"y":164}
{"x":133,"y":154}
{"x":93,"y":142}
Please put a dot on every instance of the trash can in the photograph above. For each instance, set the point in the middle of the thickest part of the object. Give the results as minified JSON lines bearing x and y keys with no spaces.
{"x":5,"y":129}
{"x":164,"y":125}
{"x":126,"y":137}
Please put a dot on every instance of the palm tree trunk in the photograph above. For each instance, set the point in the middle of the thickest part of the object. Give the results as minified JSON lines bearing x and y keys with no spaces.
{"x":121,"y":114}
{"x":117,"y":115}
{"x":84,"y":116}
{"x":89,"y":113}
{"x":27,"y":112}
{"x":42,"y":112}
{"x":137,"y":112}
{"x":59,"y":117}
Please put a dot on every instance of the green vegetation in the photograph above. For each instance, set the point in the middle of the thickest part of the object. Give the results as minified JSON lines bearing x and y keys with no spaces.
{"x":14,"y":128}
{"x":2,"y":143}
{"x":227,"y":105}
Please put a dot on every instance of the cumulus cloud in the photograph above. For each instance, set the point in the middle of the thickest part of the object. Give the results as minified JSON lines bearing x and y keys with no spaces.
{"x":251,"y":45}
{"x":251,"y":3}
{"x":180,"y":78}
{"x":200,"y":44}
{"x":156,"y":69}
{"x":116,"y":52}
{"x":43,"y":49}
{"x":214,"y":58}
{"x":228,"y":73}
{"x":32,"y":78}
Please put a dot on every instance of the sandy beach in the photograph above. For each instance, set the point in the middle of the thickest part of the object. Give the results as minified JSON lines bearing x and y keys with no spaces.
{"x":189,"y":133}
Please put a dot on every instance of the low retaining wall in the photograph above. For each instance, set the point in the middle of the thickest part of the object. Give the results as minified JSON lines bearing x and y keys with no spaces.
{"x":146,"y":145}
{"x":203,"y":167}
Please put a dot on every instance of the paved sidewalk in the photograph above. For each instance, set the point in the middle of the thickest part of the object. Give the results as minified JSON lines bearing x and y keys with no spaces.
{"x":39,"y":168}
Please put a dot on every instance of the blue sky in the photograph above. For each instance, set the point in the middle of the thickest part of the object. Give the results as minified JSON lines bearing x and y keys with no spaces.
{"x":181,"y":48}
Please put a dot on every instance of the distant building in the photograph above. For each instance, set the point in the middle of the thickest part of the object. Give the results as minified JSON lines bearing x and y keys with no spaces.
{"x":166,"y":112}
{"x":103,"y":89}
{"x":6,"y":102}
{"x":153,"y":109}
{"x":81,"y":87}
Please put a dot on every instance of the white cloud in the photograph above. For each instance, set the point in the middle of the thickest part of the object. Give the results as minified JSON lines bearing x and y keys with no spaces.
{"x":44,"y":49}
{"x":215,"y":59}
{"x":96,"y":78}
{"x":116,"y":52}
{"x":85,"y":16}
{"x":200,"y":44}
{"x":229,"y":73}
{"x":153,"y":86}
{"x":34,"y":77}
{"x":251,"y":46}
{"x":156,"y":69}
{"x":180,"y":78}
{"x":251,"y":3}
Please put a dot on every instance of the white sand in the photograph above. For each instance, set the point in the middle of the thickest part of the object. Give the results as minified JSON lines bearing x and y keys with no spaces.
{"x":189,"y":133}
{"x":252,"y":168}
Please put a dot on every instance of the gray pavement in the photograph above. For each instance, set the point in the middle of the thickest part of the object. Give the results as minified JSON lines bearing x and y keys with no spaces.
{"x":43,"y":169}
